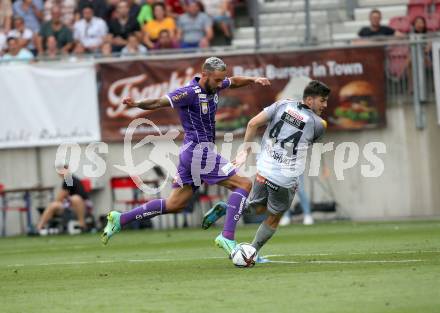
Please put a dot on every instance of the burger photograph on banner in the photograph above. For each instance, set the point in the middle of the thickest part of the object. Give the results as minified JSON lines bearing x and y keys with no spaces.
{"x":356,"y":108}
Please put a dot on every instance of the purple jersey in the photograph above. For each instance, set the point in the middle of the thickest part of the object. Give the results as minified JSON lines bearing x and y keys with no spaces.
{"x":197,"y":110}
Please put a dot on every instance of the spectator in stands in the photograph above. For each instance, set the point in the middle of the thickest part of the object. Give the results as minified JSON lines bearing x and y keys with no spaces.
{"x":194,"y":28}
{"x":5,"y":16}
{"x":55,"y":28}
{"x":133,"y":47}
{"x":24,"y":35}
{"x":165,"y":41}
{"x":160,"y":22}
{"x":70,"y":196}
{"x":51,"y":48}
{"x":100,"y":8}
{"x":106,"y":49}
{"x":419,"y":25}
{"x":220,"y":12}
{"x":15,"y":52}
{"x":376,"y":29}
{"x":122,"y":26}
{"x":146,"y":13}
{"x":67,"y":8}
{"x":31,"y":11}
{"x":89,"y":32}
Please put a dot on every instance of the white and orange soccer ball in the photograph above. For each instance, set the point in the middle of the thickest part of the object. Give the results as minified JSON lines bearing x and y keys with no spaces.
{"x":244,"y":255}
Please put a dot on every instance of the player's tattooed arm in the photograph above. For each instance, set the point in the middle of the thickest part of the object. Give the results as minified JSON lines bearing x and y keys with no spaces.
{"x":147,"y":104}
{"x":241,"y":81}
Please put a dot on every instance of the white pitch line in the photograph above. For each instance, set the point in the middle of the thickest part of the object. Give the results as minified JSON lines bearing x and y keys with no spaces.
{"x":216,"y":258}
{"x":346,"y":262}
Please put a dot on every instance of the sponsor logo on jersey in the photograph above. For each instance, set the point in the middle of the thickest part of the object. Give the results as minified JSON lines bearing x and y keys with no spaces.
{"x":202,"y":96}
{"x":295,"y":120}
{"x":179,"y":96}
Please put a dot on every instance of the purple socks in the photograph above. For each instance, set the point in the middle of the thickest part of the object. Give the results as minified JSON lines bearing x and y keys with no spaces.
{"x":236,"y":203}
{"x":147,"y":210}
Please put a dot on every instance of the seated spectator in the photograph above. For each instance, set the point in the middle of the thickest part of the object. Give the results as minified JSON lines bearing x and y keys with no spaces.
{"x":67,"y":8}
{"x":160,"y":22}
{"x":73,"y":196}
{"x":51,"y":48}
{"x":100,"y":8}
{"x":31,"y":11}
{"x":146,"y":13}
{"x":23,"y":34}
{"x":122,"y":26}
{"x":5,"y":15}
{"x":15,"y":52}
{"x":133,"y":47}
{"x":220,"y":12}
{"x":55,"y":28}
{"x":194,"y":28}
{"x":165,"y":41}
{"x":106,"y":50}
{"x":376,"y":29}
{"x":89,"y":32}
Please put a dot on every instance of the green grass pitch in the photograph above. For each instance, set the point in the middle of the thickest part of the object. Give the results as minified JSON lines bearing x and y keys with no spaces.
{"x":329,"y":267}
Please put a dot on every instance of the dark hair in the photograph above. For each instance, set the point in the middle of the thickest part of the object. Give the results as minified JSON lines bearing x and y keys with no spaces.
{"x":159,"y":4}
{"x":375,"y":11}
{"x":88,"y":6}
{"x":316,"y":89}
{"x":425,"y":27}
{"x":11,"y":38}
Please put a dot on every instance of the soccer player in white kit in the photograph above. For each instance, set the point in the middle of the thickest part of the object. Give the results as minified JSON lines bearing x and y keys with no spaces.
{"x":292,"y":126}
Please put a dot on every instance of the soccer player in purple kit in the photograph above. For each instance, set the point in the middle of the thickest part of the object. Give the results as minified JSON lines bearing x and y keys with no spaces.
{"x":196,"y":104}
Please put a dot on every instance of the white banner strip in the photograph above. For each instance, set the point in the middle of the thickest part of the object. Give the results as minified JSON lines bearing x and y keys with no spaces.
{"x":47,"y":105}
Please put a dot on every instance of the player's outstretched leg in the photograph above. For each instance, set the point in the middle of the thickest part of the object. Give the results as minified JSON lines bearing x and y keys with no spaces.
{"x":116,"y":220}
{"x":213,"y":215}
{"x":175,"y":203}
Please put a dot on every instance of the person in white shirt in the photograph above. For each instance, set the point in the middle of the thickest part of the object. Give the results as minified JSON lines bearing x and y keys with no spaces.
{"x":24,"y":35}
{"x":16,"y":53}
{"x":89,"y":32}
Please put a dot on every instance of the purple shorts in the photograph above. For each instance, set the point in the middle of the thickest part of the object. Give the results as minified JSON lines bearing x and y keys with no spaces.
{"x":200,"y":164}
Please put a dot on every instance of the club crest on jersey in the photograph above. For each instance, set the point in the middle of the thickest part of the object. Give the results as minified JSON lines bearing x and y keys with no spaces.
{"x":204,"y":107}
{"x":216,"y":98}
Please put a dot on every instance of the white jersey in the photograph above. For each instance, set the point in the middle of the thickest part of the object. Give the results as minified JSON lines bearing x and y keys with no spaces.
{"x":292,"y":128}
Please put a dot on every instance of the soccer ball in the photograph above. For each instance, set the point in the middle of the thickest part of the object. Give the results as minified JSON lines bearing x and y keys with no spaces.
{"x":244,"y":255}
